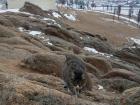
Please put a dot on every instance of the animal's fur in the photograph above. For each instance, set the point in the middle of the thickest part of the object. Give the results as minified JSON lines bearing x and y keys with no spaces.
{"x":74,"y":74}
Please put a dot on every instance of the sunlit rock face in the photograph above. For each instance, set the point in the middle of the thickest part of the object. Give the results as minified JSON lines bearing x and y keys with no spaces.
{"x":44,"y":4}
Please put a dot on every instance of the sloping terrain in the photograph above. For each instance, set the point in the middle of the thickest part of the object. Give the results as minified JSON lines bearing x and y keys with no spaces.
{"x":116,"y":32}
{"x":33,"y":45}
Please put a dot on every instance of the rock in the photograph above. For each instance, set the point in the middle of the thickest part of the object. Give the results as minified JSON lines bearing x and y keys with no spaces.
{"x":131,"y":97}
{"x":99,"y":45}
{"x":14,"y":41}
{"x":131,"y":55}
{"x":123,"y":74}
{"x":45,"y":63}
{"x":117,"y":63}
{"x":6,"y":32}
{"x":118,"y":84}
{"x":5,"y":22}
{"x":33,"y":9}
{"x":100,"y":63}
{"x":9,"y":52}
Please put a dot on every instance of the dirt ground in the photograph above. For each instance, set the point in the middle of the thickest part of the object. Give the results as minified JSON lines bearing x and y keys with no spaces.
{"x":97,"y":23}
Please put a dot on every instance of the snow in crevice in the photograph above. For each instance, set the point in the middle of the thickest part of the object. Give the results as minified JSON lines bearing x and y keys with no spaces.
{"x":55,"y":14}
{"x":100,"y":87}
{"x":135,"y":40}
{"x":47,"y":41}
{"x":21,"y":29}
{"x":81,"y":38}
{"x":70,"y":17}
{"x":48,"y":19}
{"x":31,"y":32}
{"x":35,"y":33}
{"x":93,"y":50}
{"x":53,"y":22}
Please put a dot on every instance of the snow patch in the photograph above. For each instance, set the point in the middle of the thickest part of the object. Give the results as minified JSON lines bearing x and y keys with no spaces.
{"x":70,"y":17}
{"x":93,"y":50}
{"x":100,"y":87}
{"x":54,"y":22}
{"x":137,"y":41}
{"x":81,"y":38}
{"x":47,"y":40}
{"x":21,"y":29}
{"x":15,"y":11}
{"x":35,"y":33}
{"x":9,"y":10}
{"x":56,"y":15}
{"x":49,"y":43}
{"x":32,"y":17}
{"x":48,"y":19}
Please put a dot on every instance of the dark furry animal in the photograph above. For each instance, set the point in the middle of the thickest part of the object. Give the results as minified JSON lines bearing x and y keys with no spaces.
{"x":74,"y":75}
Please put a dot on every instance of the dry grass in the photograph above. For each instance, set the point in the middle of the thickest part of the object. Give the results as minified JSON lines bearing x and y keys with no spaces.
{"x":96,"y":23}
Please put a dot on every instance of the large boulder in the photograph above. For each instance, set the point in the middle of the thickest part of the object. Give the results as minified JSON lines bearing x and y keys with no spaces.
{"x":131,"y":97}
{"x":6,"y":32}
{"x":131,"y":55}
{"x":101,"y":64}
{"x":118,"y":84}
{"x":117,"y":63}
{"x":33,"y":9}
{"x":45,"y":63}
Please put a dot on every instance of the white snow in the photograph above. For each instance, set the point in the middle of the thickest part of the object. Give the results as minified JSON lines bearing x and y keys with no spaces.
{"x":47,"y":40}
{"x":32,"y":17}
{"x":137,"y":41}
{"x":81,"y":38}
{"x":93,"y":50}
{"x":56,"y":15}
{"x":9,"y":10}
{"x":49,"y":43}
{"x":70,"y":17}
{"x":34,"y":33}
{"x":48,"y":19}
{"x":15,"y":11}
{"x":21,"y":29}
{"x":54,"y":22}
{"x":100,"y":87}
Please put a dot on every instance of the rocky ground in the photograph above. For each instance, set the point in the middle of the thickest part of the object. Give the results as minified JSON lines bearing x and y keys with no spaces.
{"x":33,"y":45}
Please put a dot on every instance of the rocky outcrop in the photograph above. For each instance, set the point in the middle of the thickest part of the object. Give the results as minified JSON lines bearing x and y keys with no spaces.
{"x":131,"y":97}
{"x":100,"y":63}
{"x":45,"y":63}
{"x":118,"y":84}
{"x":33,"y":9}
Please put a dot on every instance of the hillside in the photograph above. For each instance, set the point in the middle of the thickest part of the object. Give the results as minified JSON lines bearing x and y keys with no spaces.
{"x":117,"y":32}
{"x":33,"y":48}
